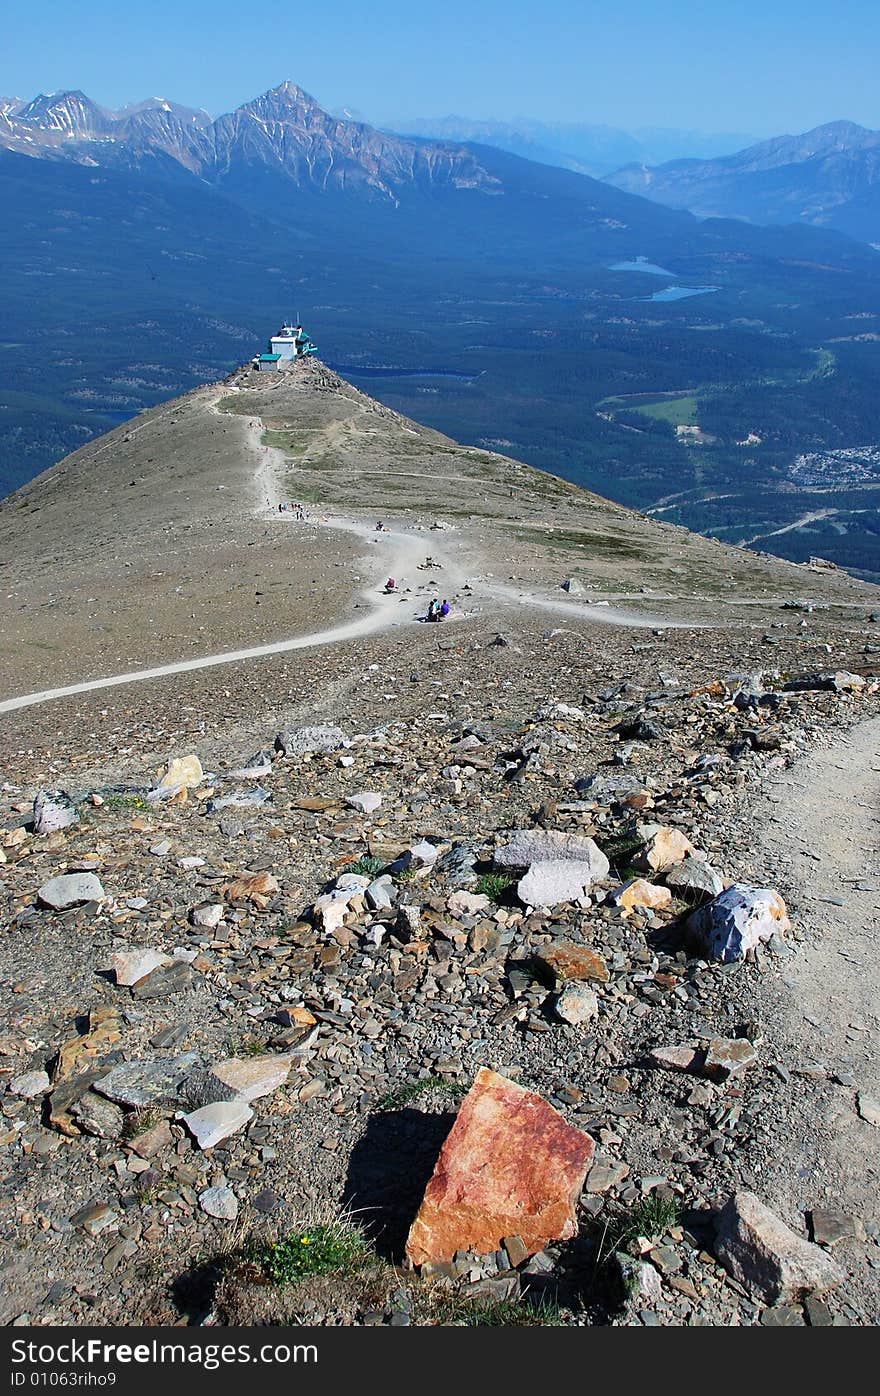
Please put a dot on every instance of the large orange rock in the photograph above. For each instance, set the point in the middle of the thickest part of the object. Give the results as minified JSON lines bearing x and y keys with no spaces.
{"x":511,"y":1166}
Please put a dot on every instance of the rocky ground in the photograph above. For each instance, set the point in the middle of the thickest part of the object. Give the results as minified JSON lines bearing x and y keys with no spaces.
{"x":258,"y":1015}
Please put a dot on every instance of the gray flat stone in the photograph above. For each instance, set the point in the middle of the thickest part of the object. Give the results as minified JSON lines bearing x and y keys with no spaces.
{"x":766,"y":1256}
{"x":131,"y":965}
{"x":212,"y":1124}
{"x":528,"y":846}
{"x":142,"y":1082}
{"x":219,"y":1202}
{"x":548,"y":884}
{"x":30,"y":1084}
{"x":303,"y":741}
{"x":165,"y":980}
{"x":53,"y":810}
{"x":71,"y":889}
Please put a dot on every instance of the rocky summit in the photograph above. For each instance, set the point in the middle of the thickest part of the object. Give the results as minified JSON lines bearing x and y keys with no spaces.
{"x":359,"y":968}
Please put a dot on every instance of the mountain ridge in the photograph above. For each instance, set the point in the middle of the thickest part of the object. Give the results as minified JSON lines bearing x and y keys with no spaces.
{"x":284,"y":128}
{"x":828,"y":176}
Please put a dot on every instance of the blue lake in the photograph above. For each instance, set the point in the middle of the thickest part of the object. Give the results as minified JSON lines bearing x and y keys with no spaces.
{"x":639,"y":265}
{"x":362,"y":371}
{"x":678,"y":293}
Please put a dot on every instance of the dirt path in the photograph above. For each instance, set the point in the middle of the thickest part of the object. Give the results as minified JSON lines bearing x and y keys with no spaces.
{"x":603,"y":613}
{"x":400,"y":552}
{"x":826,"y":1010}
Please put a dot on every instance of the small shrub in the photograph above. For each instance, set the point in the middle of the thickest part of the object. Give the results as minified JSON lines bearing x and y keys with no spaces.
{"x":314,"y":1251}
{"x":366,"y":866}
{"x":119,"y":801}
{"x":140,"y":1120}
{"x":494,"y":884}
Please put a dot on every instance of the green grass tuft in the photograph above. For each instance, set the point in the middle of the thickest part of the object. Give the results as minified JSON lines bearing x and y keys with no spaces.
{"x":620,"y":850}
{"x":494,"y":884}
{"x":650,"y":1218}
{"x":119,"y":801}
{"x":464,"y":1311}
{"x":313,"y":1251}
{"x":367,"y":866}
{"x":411,"y":1090}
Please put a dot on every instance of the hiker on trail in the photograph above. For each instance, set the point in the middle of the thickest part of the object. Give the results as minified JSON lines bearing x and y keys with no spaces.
{"x":390,"y":584}
{"x":434,"y":610}
{"x":444,"y":609}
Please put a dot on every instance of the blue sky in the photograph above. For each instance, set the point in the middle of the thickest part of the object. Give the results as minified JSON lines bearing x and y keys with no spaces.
{"x":761,"y":66}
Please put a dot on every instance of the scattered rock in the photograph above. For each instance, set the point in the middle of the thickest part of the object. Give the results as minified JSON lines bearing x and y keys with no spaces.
{"x":577,"y":1005}
{"x":211,"y":1124}
{"x":694,"y":875}
{"x":71,"y":889}
{"x":528,"y":846}
{"x":219,"y":1202}
{"x":252,"y":1077}
{"x":828,"y":1225}
{"x":305,"y":741}
{"x":640,"y":893}
{"x":738,"y":920}
{"x":173,"y":977}
{"x":208,"y":915}
{"x":139,"y":1083}
{"x":183,"y":773}
{"x":663,"y":847}
{"x":365,"y":800}
{"x":131,"y":965}
{"x":152,"y":1141}
{"x":98,"y":1117}
{"x":564,"y":960}
{"x":257,"y":887}
{"x":640,"y":1282}
{"x":682,"y":1058}
{"x":463,"y":903}
{"x":548,"y":884}
{"x":766,"y":1256}
{"x":29,"y":1084}
{"x":605,"y":1174}
{"x":725,"y":1056}
{"x":53,"y":810}
{"x":510,"y":1166}
{"x":869,"y":1107}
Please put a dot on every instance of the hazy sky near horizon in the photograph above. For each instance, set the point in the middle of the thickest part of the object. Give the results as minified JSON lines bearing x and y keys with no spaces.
{"x":756,"y":66}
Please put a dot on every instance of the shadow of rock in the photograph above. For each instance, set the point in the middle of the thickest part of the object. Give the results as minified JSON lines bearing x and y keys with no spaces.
{"x":388,"y":1172}
{"x":194,"y":1289}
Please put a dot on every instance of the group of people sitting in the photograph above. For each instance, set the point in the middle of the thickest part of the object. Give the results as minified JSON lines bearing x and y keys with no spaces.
{"x":437,"y":610}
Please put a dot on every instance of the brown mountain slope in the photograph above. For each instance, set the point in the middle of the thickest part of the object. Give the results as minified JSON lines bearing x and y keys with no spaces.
{"x":162,"y":540}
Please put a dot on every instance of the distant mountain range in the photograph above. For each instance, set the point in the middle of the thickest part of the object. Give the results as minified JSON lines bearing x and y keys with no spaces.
{"x":665,"y":360}
{"x":590,"y":149}
{"x":829,"y":177}
{"x":284,"y":130}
